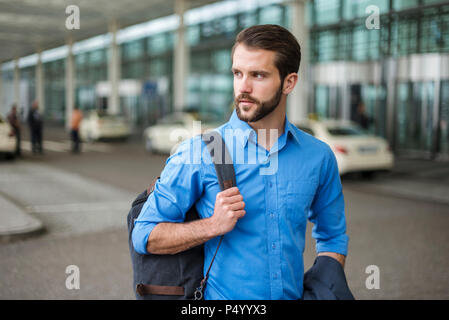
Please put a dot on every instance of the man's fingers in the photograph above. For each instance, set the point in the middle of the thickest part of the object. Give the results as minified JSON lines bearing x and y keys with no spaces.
{"x":237,"y":206}
{"x":229,"y":192}
{"x":233,"y":199}
{"x":239,"y":214}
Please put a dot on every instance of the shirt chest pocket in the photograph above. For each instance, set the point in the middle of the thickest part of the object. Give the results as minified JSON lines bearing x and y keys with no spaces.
{"x":299,"y":198}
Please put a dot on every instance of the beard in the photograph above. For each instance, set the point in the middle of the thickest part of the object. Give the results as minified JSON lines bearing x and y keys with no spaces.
{"x":263,"y":108}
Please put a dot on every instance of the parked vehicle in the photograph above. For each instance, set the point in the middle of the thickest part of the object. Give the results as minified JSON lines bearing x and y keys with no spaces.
{"x":7,"y":139}
{"x":168,"y":132}
{"x":98,"y":125}
{"x":354,"y":149}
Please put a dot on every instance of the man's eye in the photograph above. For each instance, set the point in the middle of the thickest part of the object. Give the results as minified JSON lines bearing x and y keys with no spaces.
{"x":237,"y":73}
{"x":259,"y":75}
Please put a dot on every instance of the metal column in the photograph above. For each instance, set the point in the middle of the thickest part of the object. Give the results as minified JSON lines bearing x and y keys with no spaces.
{"x":17,"y":84}
{"x":114,"y":72}
{"x":298,"y":99}
{"x":69,"y":84}
{"x":40,"y":93}
{"x":181,"y":59}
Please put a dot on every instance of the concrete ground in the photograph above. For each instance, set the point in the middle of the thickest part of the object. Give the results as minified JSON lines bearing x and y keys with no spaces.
{"x":397,"y":222}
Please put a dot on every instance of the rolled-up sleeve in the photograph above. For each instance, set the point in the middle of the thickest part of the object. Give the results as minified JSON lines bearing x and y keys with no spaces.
{"x":174,"y":194}
{"x":328,"y":209}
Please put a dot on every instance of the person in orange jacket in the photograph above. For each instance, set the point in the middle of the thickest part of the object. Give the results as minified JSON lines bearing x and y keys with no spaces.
{"x":77,"y":116}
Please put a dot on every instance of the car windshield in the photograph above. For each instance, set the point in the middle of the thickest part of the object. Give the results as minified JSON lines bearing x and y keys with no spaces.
{"x":306,"y":129}
{"x":111,"y":117}
{"x":106,"y":116}
{"x":345,"y":131}
{"x":174,"y":118}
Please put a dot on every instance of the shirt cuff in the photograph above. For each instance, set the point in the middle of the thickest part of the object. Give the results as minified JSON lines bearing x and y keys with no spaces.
{"x":337,"y":245}
{"x":140,"y":235}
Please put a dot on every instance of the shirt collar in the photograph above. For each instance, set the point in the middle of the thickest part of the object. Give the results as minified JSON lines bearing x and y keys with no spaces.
{"x":248,"y":133}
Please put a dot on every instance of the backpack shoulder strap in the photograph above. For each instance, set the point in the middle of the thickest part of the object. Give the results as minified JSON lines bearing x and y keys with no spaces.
{"x":226,"y":177}
{"x":221,"y":158}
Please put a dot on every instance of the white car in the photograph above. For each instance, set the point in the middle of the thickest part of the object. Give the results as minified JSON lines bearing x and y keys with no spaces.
{"x":7,"y":140}
{"x":170,"y":131}
{"x":97,"y":125}
{"x":355,"y":150}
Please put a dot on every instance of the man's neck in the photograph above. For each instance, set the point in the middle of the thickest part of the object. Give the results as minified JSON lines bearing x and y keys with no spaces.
{"x":271,"y":127}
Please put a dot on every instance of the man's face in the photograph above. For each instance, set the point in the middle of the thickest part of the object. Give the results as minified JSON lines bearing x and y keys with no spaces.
{"x":257,"y":83}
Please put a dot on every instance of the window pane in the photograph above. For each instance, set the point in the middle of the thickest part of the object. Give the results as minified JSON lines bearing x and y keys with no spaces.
{"x":404,"y":4}
{"x":193,"y":35}
{"x":271,"y":15}
{"x":221,"y":60}
{"x":247,"y":19}
{"x":327,"y":11}
{"x":326,"y":46}
{"x":357,"y":8}
{"x":157,"y":44}
{"x":133,"y":50}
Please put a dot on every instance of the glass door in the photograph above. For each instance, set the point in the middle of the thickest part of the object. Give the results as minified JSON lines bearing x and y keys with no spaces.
{"x":374,"y":99}
{"x":327,"y":102}
{"x":444,"y":119}
{"x":321,"y":101}
{"x":415,"y":116}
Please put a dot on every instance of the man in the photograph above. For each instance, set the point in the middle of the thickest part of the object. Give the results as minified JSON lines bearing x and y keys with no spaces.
{"x":264,"y":218}
{"x":35,"y":122}
{"x":361,"y":117}
{"x":14,"y":121}
{"x":77,"y":116}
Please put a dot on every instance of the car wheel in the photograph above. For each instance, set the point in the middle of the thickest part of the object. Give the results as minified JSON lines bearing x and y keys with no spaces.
{"x":90,"y":137}
{"x":10,"y":156}
{"x":368,"y":175}
{"x":149,"y":145}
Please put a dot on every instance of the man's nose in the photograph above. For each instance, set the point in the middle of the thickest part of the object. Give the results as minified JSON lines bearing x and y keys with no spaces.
{"x":245,"y":85}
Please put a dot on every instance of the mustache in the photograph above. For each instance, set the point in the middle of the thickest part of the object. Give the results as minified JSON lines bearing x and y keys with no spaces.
{"x":246,"y":96}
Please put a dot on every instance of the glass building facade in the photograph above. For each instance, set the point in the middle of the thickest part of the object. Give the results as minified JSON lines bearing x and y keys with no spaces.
{"x":398,"y":70}
{"x":349,"y":63}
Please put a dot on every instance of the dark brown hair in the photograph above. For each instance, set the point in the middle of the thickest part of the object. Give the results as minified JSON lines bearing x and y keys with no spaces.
{"x":274,"y":38}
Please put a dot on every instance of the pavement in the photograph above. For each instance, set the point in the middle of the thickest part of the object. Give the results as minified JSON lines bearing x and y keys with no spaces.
{"x":82,"y":201}
{"x":86,"y":203}
{"x":414,"y":179}
{"x":14,"y":222}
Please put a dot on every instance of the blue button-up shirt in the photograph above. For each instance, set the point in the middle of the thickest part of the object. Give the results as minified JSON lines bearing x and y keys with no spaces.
{"x":262,"y":257}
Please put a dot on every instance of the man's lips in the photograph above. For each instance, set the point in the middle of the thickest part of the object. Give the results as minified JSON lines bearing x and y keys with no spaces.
{"x":246,"y":101}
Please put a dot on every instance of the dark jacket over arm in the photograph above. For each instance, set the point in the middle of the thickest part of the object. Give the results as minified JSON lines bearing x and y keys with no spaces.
{"x":326,"y":280}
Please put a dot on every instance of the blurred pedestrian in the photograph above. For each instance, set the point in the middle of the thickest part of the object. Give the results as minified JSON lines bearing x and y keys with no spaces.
{"x":36,"y":127}
{"x":13,"y":119}
{"x":361,"y":117}
{"x":77,"y":116}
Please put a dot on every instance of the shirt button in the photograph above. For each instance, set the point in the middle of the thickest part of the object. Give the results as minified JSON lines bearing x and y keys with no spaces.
{"x":271,"y":185}
{"x":273,"y":245}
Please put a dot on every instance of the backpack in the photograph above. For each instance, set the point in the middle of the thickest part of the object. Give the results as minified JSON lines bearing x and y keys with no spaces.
{"x":177,"y":276}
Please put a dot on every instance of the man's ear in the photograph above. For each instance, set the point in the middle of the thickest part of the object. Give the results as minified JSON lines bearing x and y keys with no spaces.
{"x":289,"y":83}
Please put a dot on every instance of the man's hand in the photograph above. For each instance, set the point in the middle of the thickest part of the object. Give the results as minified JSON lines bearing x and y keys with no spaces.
{"x":171,"y":237}
{"x":228,"y":209}
{"x":339,"y":257}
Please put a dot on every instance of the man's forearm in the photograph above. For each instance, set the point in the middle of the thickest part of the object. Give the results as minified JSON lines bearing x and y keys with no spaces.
{"x":339,"y":257}
{"x":172,"y":238}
